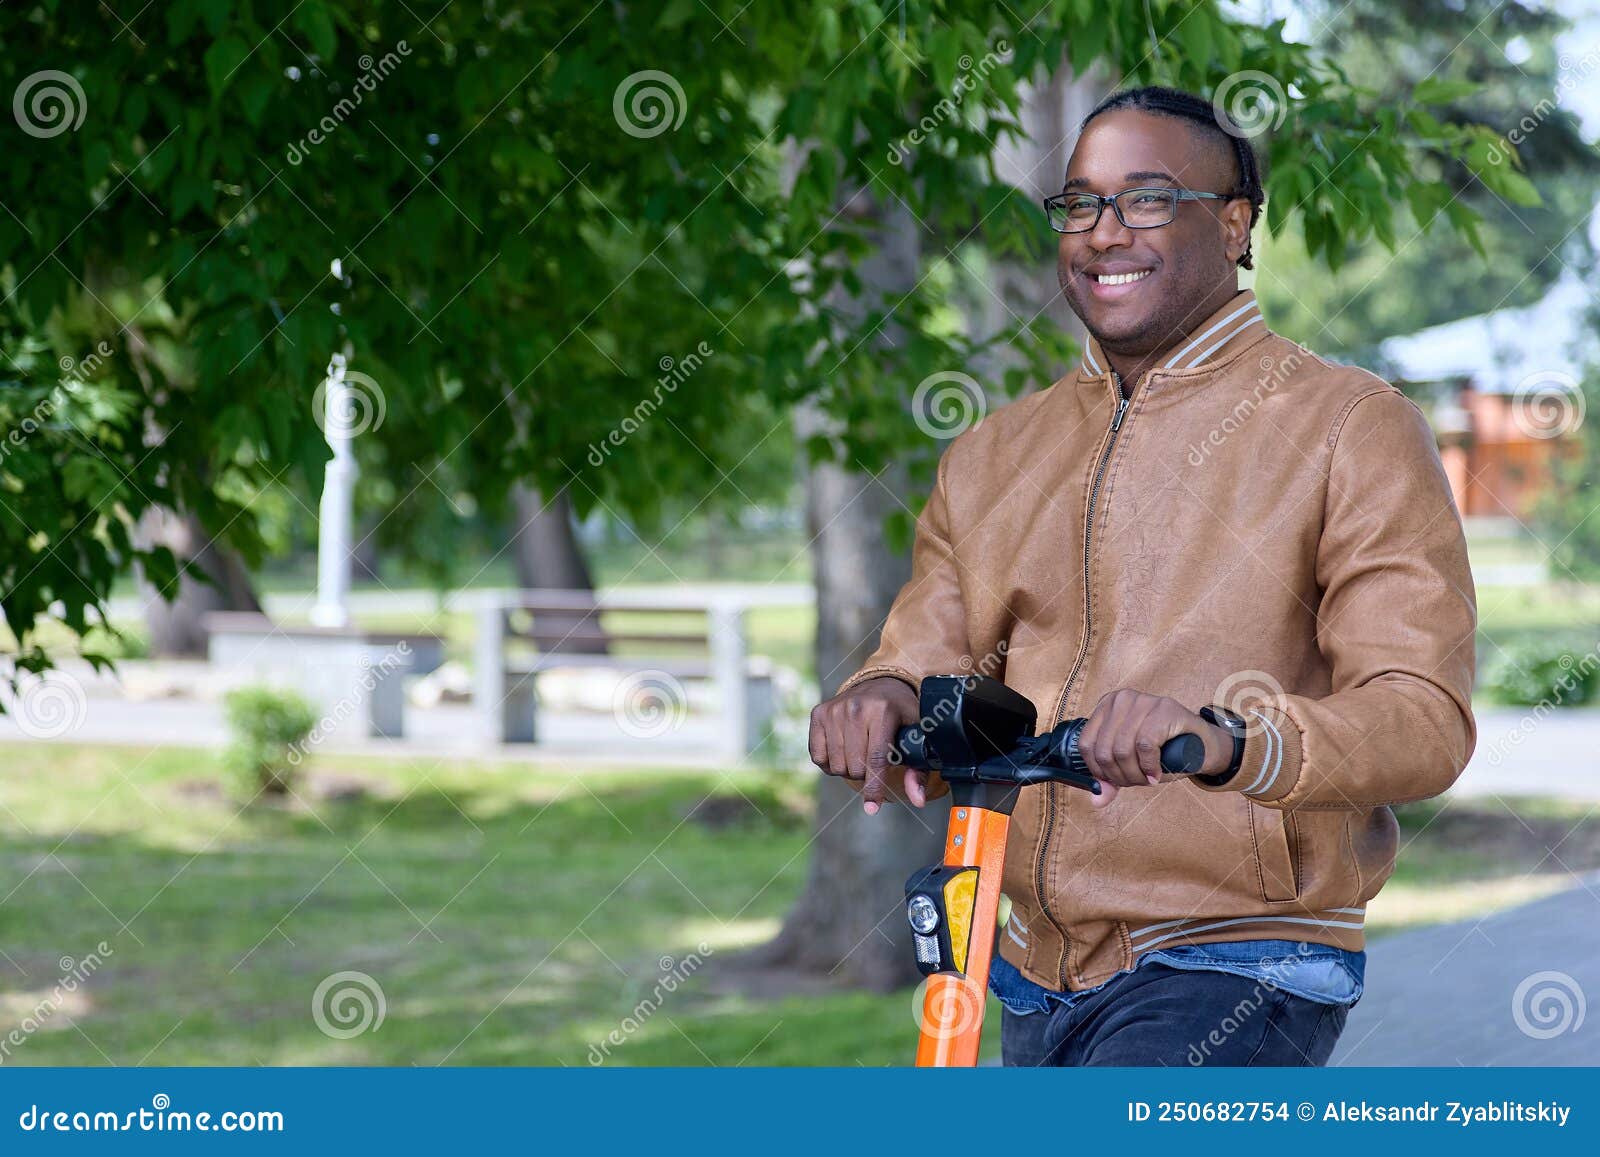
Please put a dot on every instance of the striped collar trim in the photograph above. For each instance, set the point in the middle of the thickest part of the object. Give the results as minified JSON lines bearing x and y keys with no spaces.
{"x":1209,"y":342}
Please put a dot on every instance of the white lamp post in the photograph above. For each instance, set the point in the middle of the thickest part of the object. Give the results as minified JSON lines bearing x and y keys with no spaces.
{"x":338,"y":492}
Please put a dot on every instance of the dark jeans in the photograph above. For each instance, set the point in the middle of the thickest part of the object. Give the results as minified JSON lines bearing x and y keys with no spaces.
{"x":1156,"y":1016}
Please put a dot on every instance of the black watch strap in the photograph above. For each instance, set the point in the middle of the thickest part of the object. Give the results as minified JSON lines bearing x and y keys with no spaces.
{"x":1234,"y":724}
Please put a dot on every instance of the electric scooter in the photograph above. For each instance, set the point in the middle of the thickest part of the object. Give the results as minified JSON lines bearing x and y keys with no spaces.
{"x":977,"y":733}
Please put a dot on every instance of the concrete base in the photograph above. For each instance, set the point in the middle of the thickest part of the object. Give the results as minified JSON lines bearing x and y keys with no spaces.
{"x":354,"y":677}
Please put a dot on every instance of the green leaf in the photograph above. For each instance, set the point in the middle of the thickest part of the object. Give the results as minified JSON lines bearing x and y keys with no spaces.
{"x":1086,"y":43}
{"x":676,"y":14}
{"x":255,"y":90}
{"x":1425,"y":123}
{"x":1514,"y":187}
{"x":222,"y":61}
{"x":313,"y":20}
{"x":1438,"y":90}
{"x":134,"y":110}
{"x":96,"y":160}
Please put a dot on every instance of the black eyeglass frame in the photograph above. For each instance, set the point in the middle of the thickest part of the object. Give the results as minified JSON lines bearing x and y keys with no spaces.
{"x":1178,"y":195}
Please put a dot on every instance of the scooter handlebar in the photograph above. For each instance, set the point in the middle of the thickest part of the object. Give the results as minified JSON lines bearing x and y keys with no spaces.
{"x":1056,"y":750}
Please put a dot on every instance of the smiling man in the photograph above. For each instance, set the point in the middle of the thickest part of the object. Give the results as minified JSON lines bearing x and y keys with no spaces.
{"x":1203,"y":527}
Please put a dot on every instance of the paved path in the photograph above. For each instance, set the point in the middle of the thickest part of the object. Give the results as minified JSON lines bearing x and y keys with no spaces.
{"x":1518,"y":752}
{"x":1523,"y":752}
{"x":179,"y":704}
{"x":1510,"y":989}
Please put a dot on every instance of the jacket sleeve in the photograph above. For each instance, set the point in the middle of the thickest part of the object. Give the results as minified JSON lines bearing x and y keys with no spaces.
{"x":925,"y":632}
{"x":1396,"y":622}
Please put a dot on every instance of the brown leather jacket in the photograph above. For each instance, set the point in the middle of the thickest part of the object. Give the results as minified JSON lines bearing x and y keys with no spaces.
{"x":1255,"y":527}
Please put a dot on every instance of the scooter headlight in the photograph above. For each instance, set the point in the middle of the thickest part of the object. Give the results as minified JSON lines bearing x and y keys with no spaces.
{"x":923,"y":914}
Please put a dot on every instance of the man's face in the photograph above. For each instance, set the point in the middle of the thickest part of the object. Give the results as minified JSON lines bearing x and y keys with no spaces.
{"x":1187,"y":268}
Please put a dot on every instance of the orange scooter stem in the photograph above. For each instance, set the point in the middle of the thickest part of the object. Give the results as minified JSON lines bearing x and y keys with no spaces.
{"x":951,"y":1024}
{"x":977,"y":734}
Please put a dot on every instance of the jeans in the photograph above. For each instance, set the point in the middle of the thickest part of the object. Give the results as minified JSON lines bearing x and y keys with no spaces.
{"x":1317,"y":972}
{"x":1157,"y":1015}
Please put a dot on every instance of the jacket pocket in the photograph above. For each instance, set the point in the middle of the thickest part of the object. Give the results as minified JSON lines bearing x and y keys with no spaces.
{"x":1277,"y":852}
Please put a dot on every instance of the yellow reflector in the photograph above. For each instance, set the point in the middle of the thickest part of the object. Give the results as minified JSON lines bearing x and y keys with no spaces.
{"x":960,"y":894}
{"x":1002,"y":915}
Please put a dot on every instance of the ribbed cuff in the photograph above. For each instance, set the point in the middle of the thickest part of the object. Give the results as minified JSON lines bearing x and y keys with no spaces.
{"x":1271,"y":764}
{"x":879,"y":672}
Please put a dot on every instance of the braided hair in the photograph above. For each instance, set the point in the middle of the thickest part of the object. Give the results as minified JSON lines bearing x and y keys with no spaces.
{"x":1205,"y":118}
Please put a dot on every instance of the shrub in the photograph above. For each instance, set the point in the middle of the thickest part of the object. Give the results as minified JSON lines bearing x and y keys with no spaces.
{"x":1561,"y":672}
{"x":270,"y":728}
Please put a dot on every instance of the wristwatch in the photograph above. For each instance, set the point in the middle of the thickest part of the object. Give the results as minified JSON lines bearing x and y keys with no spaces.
{"x":1233,"y":723}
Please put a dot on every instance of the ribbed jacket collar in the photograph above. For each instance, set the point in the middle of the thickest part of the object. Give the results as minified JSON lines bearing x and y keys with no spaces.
{"x":1235,"y":324}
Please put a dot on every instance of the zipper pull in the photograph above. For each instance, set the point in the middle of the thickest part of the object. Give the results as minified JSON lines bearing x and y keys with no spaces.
{"x":1122,"y":408}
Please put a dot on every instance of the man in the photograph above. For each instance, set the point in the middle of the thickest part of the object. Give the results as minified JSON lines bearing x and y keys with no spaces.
{"x":1201,"y":516}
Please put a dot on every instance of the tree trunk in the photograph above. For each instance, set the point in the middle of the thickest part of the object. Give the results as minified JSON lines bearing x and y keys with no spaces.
{"x":547,"y":556}
{"x":176,"y":628}
{"x":848,"y":923}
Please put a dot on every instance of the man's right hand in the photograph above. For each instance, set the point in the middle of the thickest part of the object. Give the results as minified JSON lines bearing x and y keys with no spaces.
{"x":851,"y":735}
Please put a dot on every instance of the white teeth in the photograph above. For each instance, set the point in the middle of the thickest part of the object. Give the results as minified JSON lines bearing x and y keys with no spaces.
{"x":1121,"y":278}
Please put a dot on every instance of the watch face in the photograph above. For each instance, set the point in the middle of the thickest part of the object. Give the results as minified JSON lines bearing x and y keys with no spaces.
{"x":1223,"y":717}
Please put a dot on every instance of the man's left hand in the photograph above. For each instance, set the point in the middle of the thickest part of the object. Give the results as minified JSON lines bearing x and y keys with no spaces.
{"x":1121,"y":742}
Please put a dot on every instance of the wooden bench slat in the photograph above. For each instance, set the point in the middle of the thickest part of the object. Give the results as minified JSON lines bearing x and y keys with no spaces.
{"x":674,"y":665}
{"x":653,"y":638}
{"x":558,"y":601}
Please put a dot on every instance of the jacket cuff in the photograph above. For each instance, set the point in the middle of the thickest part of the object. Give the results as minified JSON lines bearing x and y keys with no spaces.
{"x":1270,"y":767}
{"x":878,"y":672}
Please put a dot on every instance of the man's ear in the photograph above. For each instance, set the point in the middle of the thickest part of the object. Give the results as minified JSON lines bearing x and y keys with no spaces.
{"x":1235,"y":221}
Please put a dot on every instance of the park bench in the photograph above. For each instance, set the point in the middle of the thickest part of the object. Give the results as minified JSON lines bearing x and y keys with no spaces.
{"x":659,"y":640}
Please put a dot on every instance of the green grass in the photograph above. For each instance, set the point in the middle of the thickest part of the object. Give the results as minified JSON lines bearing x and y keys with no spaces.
{"x":511,"y":915}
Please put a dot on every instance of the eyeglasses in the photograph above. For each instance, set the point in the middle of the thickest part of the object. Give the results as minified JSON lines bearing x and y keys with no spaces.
{"x":1136,"y":208}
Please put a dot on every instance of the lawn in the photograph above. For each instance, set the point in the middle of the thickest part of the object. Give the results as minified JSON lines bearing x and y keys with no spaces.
{"x":509,"y":915}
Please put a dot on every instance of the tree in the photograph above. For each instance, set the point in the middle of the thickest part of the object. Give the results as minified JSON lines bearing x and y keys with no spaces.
{"x":1492,"y":65}
{"x":515,"y":218}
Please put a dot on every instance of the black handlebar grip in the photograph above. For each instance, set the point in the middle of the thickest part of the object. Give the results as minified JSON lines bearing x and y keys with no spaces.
{"x":1183,"y":754}
{"x":910,"y":747}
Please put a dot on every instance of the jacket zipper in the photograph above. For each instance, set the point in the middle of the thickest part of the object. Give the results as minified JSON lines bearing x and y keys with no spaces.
{"x":1077,"y":667}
